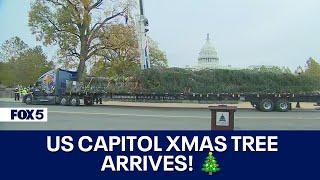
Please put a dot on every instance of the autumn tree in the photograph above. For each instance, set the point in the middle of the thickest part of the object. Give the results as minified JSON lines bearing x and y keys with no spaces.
{"x":121,"y":57}
{"x":121,"y":42}
{"x":75,"y":25}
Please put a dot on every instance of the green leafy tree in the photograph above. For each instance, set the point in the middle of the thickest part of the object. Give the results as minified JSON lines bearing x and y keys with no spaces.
{"x":99,"y":68}
{"x":24,"y":65}
{"x":29,"y":66}
{"x":272,"y":69}
{"x":210,"y":165}
{"x":12,"y":48}
{"x":6,"y":74}
{"x":158,"y":58}
{"x":313,"y":68}
{"x":75,"y":25}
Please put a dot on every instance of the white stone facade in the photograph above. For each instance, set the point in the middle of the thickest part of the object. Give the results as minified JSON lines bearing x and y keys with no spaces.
{"x":208,"y":56}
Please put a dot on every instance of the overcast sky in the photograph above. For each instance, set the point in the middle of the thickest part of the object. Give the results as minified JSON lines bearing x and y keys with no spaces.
{"x":245,"y":32}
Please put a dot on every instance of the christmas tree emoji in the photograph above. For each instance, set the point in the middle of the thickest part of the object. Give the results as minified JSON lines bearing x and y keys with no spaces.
{"x":210,"y":165}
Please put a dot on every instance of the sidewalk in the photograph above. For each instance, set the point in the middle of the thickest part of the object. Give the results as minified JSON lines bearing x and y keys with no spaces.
{"x":8,"y":100}
{"x":241,"y":105}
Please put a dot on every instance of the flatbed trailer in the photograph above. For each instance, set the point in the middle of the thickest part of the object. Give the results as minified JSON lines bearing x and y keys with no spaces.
{"x":265,"y":102}
{"x":62,"y":87}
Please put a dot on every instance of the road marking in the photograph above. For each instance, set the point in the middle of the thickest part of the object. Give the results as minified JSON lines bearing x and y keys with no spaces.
{"x":166,"y":116}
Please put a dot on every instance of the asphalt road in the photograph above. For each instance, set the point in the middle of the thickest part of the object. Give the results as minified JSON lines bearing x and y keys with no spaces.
{"x":129,"y":118}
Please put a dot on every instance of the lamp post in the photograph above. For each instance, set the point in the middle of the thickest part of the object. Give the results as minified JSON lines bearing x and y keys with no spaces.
{"x":299,"y":71}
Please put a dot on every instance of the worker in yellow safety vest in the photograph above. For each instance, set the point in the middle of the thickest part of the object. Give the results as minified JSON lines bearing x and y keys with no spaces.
{"x":24,"y":92}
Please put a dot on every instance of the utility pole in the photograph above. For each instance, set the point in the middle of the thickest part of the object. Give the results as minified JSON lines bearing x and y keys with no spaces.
{"x":143,"y":24}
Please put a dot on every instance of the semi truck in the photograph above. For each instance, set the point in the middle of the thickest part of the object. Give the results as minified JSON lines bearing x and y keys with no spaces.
{"x":63,"y":87}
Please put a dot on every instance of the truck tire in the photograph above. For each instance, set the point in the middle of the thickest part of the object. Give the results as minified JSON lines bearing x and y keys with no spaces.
{"x":74,"y":101}
{"x":266,"y":105}
{"x":88,"y":101}
{"x":64,"y":101}
{"x":282,"y":105}
{"x":28,"y":99}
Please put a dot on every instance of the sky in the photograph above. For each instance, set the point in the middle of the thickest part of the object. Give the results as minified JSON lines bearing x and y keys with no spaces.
{"x":244,"y":32}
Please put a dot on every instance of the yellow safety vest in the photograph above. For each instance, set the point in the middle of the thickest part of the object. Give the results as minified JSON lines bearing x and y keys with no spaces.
{"x":24,"y":92}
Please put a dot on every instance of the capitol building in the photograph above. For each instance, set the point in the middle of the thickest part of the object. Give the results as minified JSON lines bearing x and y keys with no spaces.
{"x":208,"y":57}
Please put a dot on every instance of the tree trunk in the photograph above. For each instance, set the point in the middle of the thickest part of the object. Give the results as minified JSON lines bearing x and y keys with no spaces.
{"x":210,"y":173}
{"x":83,"y":58}
{"x":81,"y":68}
{"x":84,"y":51}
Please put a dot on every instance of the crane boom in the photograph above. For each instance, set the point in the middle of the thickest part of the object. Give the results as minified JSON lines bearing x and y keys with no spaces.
{"x":143,"y":39}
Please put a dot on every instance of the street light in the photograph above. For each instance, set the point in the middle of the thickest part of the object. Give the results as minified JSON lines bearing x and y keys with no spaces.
{"x":299,"y":71}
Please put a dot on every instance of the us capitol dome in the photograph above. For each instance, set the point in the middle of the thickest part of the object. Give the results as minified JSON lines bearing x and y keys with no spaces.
{"x":208,"y":56}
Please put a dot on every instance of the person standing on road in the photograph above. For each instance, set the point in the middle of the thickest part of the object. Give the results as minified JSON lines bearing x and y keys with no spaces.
{"x":24,"y":92}
{"x":17,"y":94}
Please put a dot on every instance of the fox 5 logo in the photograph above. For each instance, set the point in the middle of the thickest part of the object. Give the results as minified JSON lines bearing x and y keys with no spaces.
{"x":23,"y":115}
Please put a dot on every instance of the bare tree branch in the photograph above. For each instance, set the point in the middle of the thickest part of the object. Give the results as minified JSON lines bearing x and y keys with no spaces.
{"x":94,"y":52}
{"x":98,"y":26}
{"x":56,"y":2}
{"x":96,"y":5}
{"x":58,"y":29}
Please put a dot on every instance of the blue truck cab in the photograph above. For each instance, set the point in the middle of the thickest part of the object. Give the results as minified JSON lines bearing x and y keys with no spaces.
{"x":59,"y":87}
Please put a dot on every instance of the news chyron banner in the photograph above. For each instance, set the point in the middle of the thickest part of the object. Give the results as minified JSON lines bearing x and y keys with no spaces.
{"x":159,"y":155}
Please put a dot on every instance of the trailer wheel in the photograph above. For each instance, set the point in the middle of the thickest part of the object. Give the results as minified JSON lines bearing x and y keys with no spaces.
{"x":266,"y":105}
{"x":282,"y":105}
{"x":88,"y":101}
{"x":74,"y":101}
{"x":64,"y":101}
